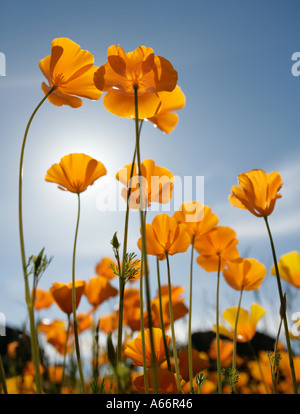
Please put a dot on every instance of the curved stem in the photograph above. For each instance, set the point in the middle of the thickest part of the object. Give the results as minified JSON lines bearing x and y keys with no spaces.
{"x":172,"y":327}
{"x":82,"y":386}
{"x":217,"y":329}
{"x":144,"y":246}
{"x":34,"y":341}
{"x":234,"y":338}
{"x":283,"y":309}
{"x":161,"y":317}
{"x":191,"y":376}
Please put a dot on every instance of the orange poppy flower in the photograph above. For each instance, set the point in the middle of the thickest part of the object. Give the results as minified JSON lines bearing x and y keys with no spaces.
{"x":109,"y":323}
{"x":71,"y":71}
{"x":246,"y":274}
{"x":219,"y":242}
{"x":257,"y":192}
{"x":57,"y":336}
{"x":75,"y":172}
{"x":226,"y":350}
{"x":98,"y":289}
{"x":156,"y":183}
{"x":200,"y":362}
{"x":62,"y":294}
{"x":43,"y":299}
{"x":198,"y":218}
{"x":139,"y":69}
{"x":11,"y":349}
{"x":55,"y":373}
{"x":289,"y":268}
{"x":246,"y":326}
{"x":166,"y":119}
{"x":167,"y":382}
{"x":134,"y":350}
{"x":131,"y":309}
{"x":165,"y":236}
{"x":84,"y":322}
{"x":179,"y":308}
{"x":103,"y":268}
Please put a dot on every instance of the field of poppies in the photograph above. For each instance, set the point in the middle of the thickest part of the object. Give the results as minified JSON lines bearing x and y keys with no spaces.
{"x":141,"y":354}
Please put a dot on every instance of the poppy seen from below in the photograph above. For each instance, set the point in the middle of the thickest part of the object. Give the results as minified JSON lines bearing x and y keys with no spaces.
{"x":140,"y":69}
{"x":246,"y":274}
{"x":62,"y":294}
{"x":165,"y":236}
{"x":289,"y":268}
{"x":70,"y":70}
{"x":257,"y":192}
{"x":75,"y":172}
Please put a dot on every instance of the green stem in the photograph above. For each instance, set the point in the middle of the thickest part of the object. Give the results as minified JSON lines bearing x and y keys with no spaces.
{"x":259,"y":366}
{"x":142,"y":326}
{"x":172,"y":327}
{"x":161,"y":317}
{"x":283,"y":309}
{"x":65,"y":352}
{"x":144,"y":246}
{"x":190,"y":355}
{"x":34,"y":341}
{"x":232,"y":387}
{"x":2,"y":377}
{"x":82,"y":386}
{"x":274,"y":368}
{"x":217,"y":329}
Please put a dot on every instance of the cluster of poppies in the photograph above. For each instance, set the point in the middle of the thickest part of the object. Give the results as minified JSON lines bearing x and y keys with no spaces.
{"x":141,"y":85}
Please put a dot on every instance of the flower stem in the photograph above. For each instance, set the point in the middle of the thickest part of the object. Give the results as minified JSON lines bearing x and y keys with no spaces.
{"x":217,"y":329}
{"x":144,"y":246}
{"x":142,"y":326}
{"x":283,"y":309}
{"x":65,"y":351}
{"x":172,"y":327}
{"x":34,"y":341}
{"x":2,"y":377}
{"x":161,"y":317}
{"x":82,"y":386}
{"x":190,"y":322}
{"x":232,"y":387}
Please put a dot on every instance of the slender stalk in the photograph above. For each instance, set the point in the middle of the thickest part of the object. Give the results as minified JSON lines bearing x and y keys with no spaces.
{"x":142,"y":326}
{"x":34,"y":341}
{"x":144,"y":246}
{"x":217,"y":330}
{"x":234,"y":338}
{"x":161,"y":317}
{"x":259,"y":366}
{"x":82,"y":386}
{"x":191,"y":376}
{"x":274,"y":370}
{"x":172,"y":327}
{"x":2,"y":377}
{"x":283,"y":309}
{"x":65,"y":351}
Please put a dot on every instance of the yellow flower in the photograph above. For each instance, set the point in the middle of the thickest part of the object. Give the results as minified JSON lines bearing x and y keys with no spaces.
{"x":71,"y":71}
{"x":257,"y":192}
{"x":246,"y":274}
{"x":289,"y":268}
{"x":75,"y":172}
{"x":246,"y":326}
{"x":139,"y":69}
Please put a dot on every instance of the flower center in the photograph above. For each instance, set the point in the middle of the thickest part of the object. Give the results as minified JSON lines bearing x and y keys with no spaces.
{"x":58,"y":80}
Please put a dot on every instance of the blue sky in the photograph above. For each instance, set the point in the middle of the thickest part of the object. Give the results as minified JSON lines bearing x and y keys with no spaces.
{"x":242,"y":112}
